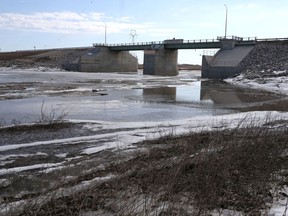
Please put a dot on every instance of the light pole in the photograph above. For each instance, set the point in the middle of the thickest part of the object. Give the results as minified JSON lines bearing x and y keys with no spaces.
{"x":105,"y":33}
{"x":226,"y":20}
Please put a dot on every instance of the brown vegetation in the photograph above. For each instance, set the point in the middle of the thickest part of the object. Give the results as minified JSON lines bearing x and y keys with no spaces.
{"x":54,"y":58}
{"x":239,"y":169}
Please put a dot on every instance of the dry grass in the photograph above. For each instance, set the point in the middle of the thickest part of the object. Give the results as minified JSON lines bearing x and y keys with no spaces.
{"x":238,"y":169}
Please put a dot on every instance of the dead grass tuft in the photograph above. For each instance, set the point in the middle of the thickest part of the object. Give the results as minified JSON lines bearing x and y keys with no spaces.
{"x":237,"y":169}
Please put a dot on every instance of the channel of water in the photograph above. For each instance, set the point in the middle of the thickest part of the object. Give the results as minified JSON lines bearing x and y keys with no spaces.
{"x":121,"y":98}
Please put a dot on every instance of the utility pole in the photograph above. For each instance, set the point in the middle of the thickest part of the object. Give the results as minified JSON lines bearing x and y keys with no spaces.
{"x":226,"y":21}
{"x":105,"y":34}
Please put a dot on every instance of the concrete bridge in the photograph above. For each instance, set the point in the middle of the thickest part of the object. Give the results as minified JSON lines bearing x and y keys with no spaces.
{"x":161,"y":58}
{"x":177,"y":44}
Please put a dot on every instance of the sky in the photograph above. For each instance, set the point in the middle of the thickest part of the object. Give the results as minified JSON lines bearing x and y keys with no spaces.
{"x":44,"y":24}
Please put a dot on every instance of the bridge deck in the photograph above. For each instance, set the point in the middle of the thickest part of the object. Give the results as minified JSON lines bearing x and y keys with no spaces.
{"x":185,"y":44}
{"x":178,"y":44}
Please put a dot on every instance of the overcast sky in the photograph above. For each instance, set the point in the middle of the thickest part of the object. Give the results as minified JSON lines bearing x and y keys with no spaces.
{"x":25,"y":24}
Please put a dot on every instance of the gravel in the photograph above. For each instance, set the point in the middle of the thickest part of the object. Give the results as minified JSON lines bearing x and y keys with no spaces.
{"x":269,"y":59}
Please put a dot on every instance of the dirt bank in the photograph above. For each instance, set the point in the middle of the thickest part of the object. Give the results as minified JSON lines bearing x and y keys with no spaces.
{"x":54,"y":58}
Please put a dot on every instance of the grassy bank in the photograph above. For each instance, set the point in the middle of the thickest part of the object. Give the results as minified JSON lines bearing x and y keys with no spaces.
{"x":241,"y":170}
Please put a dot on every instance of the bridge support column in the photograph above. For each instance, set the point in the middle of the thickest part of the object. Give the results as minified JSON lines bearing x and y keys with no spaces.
{"x":161,"y":62}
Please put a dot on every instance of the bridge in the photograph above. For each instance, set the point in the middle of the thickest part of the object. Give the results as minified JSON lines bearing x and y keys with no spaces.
{"x":177,"y":44}
{"x":161,"y":57}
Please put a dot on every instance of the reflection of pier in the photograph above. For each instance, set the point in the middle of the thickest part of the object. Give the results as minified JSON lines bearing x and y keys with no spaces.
{"x":218,"y":93}
{"x":229,"y":96}
{"x":215,"y":92}
{"x":166,"y":92}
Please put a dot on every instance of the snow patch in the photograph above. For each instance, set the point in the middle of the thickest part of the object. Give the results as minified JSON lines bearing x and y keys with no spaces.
{"x":26,"y":168}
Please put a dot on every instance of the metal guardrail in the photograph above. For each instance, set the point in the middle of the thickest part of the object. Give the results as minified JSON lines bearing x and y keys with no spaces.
{"x":272,"y":39}
{"x":156,"y":43}
{"x":242,"y":39}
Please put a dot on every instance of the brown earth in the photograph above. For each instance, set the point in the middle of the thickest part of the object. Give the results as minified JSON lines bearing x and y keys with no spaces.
{"x":54,"y":58}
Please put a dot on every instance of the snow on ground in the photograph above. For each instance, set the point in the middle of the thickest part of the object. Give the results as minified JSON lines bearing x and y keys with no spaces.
{"x":277,"y":84}
{"x":139,"y":131}
{"x":26,"y":168}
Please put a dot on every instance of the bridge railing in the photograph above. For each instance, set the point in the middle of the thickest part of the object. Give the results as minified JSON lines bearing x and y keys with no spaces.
{"x":242,"y":39}
{"x":157,"y":42}
{"x":201,"y":41}
{"x":129,"y":44}
{"x":272,"y":39}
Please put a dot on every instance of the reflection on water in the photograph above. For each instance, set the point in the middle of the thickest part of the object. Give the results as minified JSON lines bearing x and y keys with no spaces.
{"x":156,"y":104}
{"x":217,"y":93}
{"x":189,"y":93}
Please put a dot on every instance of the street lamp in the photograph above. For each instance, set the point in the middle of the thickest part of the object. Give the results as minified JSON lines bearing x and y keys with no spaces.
{"x":226,"y":20}
{"x":105,"y":33}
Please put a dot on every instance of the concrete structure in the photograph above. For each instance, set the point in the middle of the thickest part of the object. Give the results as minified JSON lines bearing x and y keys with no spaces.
{"x":160,"y":62}
{"x":160,"y":58}
{"x":102,"y":59}
{"x":227,"y":61}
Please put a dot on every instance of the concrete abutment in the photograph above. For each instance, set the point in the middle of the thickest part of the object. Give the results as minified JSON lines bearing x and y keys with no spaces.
{"x":101,"y":59}
{"x":227,"y":61}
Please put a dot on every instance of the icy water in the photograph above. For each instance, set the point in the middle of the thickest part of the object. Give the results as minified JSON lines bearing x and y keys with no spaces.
{"x":121,"y":97}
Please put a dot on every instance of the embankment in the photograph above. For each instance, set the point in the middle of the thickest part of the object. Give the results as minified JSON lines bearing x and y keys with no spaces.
{"x":53,"y":58}
{"x":267,"y":59}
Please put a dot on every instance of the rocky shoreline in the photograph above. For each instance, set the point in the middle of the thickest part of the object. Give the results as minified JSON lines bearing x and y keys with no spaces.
{"x":267,"y":60}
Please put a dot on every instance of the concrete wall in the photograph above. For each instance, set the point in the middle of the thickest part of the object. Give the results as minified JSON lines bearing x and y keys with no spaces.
{"x":231,"y":57}
{"x":221,"y":72}
{"x":101,"y":59}
{"x":225,"y":63}
{"x":161,"y":62}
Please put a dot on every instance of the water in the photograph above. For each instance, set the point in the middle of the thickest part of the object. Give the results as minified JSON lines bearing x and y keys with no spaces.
{"x":121,"y":97}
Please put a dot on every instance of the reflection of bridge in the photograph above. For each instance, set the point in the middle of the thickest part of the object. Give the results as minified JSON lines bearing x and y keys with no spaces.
{"x":160,"y":58}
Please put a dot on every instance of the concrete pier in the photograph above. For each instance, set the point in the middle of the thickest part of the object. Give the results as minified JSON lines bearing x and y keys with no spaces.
{"x":163,"y":62}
